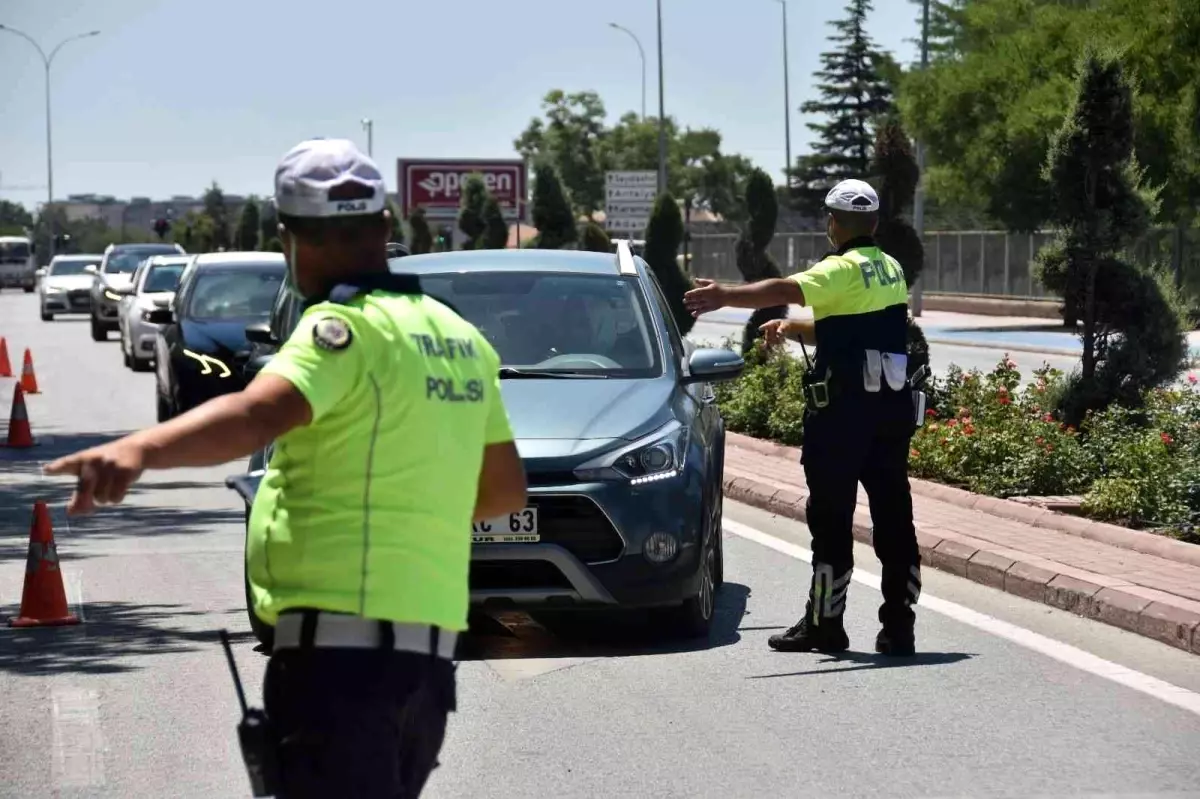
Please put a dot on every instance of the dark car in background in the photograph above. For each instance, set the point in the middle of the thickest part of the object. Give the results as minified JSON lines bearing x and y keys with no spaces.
{"x":115,"y":274}
{"x":201,"y":349}
{"x":615,"y":417}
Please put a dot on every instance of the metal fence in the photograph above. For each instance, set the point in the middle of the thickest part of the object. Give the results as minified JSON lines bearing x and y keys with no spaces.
{"x":980,"y":262}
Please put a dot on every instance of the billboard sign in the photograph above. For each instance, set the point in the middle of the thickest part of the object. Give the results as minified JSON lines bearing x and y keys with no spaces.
{"x":436,"y":184}
{"x":628,"y":200}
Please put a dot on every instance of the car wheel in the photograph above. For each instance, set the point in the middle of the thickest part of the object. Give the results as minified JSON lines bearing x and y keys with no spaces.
{"x":47,"y":317}
{"x":693,"y":619}
{"x":98,"y":332}
{"x":141,"y":364}
{"x":127,"y":358}
{"x":28,"y":289}
{"x":164,"y":409}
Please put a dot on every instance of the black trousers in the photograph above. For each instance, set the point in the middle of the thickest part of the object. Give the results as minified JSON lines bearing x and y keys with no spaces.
{"x":861,"y":437}
{"x":356,"y":722}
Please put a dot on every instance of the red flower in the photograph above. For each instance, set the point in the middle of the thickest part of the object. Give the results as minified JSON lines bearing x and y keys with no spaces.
{"x":1004,"y":400}
{"x":1166,"y":439}
{"x":1002,"y":391}
{"x":951,"y":422}
{"x":931,"y":413}
{"x":1048,"y":418}
{"x":1039,"y":440}
{"x":914,"y":453}
{"x":968,"y":429}
{"x":1192,"y":379}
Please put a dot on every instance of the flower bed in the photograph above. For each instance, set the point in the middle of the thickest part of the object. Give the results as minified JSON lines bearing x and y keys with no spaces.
{"x":992,"y":434}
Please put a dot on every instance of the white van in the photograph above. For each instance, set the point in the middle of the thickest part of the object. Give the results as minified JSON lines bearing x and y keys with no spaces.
{"x":17,"y":265}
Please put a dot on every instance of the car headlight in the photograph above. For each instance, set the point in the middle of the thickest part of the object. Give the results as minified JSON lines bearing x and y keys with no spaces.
{"x":209,"y":364}
{"x":659,"y":456}
{"x":112,"y":295}
{"x":52,"y":290}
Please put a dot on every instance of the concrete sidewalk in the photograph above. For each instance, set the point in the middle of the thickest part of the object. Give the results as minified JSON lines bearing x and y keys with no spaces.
{"x":1137,"y":581}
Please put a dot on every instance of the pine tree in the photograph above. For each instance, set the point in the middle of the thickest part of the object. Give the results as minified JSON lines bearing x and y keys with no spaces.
{"x":552,"y":214}
{"x":422,"y":236}
{"x":218,"y":214}
{"x":854,"y":94}
{"x":596,"y":239}
{"x":753,"y":260}
{"x":495,"y":228}
{"x":470,"y":214}
{"x":248,"y":232}
{"x":895,"y":168}
{"x":664,"y":234}
{"x":397,"y":224}
{"x":945,"y":27}
{"x":1132,"y":338}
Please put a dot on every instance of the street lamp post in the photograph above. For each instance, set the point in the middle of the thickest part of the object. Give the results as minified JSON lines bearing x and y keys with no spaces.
{"x":642,"y":53}
{"x":919,"y":200}
{"x":369,"y":127}
{"x":787,"y":101}
{"x":662,"y":117}
{"x":47,"y":60}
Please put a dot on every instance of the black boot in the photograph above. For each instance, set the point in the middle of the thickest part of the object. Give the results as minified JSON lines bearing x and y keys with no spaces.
{"x":804,"y":636}
{"x":896,"y":640}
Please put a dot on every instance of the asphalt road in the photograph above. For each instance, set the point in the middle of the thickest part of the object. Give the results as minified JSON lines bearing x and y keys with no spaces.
{"x":1007,"y":698}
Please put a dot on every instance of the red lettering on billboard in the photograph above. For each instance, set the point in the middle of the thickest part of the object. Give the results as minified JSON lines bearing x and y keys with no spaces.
{"x":436,"y":186}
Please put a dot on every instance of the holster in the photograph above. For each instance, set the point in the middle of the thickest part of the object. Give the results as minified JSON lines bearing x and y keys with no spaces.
{"x":819,"y":389}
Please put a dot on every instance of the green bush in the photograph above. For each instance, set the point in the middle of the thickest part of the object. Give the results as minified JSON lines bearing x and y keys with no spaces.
{"x":664,"y":234}
{"x":996,"y":434}
{"x":495,"y":228}
{"x":753,"y":260}
{"x":595,"y":238}
{"x":422,"y":236}
{"x":552,"y":214}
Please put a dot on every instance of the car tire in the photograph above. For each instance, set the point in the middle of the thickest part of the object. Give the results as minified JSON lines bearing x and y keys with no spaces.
{"x":127,"y":358}
{"x":693,"y":619}
{"x":47,"y":317}
{"x":141,"y":364}
{"x":165,"y":411}
{"x":28,"y":289}
{"x":265,"y":633}
{"x":718,"y":533}
{"x":98,"y":332}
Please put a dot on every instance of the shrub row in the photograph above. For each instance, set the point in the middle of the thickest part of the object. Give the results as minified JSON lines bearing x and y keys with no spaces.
{"x":995,"y":434}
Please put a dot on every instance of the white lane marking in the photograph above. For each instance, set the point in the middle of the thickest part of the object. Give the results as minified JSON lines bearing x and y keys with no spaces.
{"x":77,"y":741}
{"x":1065,"y":653}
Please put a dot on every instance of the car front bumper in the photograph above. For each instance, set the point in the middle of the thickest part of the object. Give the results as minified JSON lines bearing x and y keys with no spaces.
{"x":72,"y":301}
{"x":142,"y":336}
{"x":591,"y":551}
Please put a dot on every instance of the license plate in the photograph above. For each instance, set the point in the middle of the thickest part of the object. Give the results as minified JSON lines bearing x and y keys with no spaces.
{"x":516,"y":528}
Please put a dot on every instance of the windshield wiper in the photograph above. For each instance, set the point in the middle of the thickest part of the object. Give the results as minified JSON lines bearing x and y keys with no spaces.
{"x":510,"y":373}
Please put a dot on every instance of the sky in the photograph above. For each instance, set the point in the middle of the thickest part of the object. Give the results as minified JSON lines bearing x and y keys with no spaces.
{"x":174,"y":94}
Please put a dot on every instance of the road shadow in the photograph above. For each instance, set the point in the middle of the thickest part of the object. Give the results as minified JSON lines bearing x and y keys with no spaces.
{"x":48,"y":445}
{"x":861,"y":661}
{"x":111,"y":640}
{"x":573,"y":634}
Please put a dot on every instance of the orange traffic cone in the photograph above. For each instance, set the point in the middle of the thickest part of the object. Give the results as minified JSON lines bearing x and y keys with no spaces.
{"x":44,"y":600}
{"x":20,"y":436}
{"x":28,"y":380}
{"x":5,"y":366}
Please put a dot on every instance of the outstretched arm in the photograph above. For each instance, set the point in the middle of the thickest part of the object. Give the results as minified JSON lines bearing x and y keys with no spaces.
{"x":709,"y":295}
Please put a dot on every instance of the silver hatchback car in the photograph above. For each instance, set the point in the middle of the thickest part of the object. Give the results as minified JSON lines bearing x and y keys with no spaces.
{"x":153,"y":285}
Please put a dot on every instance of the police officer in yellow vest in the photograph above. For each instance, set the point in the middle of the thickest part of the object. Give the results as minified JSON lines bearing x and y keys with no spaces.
{"x":859,"y":419}
{"x":390,"y":439}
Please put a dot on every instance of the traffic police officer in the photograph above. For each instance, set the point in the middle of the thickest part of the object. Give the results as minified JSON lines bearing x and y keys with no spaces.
{"x":859,"y":418}
{"x":390,"y":439}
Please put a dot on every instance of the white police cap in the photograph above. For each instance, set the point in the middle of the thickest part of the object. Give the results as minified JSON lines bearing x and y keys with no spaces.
{"x":309,"y":170}
{"x":852,"y":195}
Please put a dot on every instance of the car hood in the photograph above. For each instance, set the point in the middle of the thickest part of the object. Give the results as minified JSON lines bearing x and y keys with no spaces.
{"x":116,"y":280}
{"x":157,"y":299}
{"x":223,"y":339}
{"x":563,"y":418}
{"x":67,"y":282}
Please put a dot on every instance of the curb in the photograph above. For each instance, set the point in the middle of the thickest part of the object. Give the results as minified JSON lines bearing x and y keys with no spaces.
{"x":1111,"y":534}
{"x":1141,"y":615}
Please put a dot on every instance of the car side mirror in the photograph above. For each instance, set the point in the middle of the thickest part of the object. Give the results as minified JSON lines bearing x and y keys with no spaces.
{"x":260,"y":333}
{"x":91,"y":269}
{"x":40,"y":273}
{"x":159,"y":316}
{"x":711,"y":365}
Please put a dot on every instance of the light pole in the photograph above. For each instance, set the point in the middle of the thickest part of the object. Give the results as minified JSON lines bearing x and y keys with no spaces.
{"x":642,"y":53}
{"x":47,"y":60}
{"x":662,"y":117}
{"x":919,"y":200}
{"x":369,"y":127}
{"x":787,"y":101}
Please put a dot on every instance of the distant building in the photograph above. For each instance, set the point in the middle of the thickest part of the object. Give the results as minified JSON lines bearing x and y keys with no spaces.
{"x":139,"y":213}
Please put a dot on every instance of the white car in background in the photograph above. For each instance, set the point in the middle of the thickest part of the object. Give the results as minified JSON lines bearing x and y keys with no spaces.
{"x":64,"y":287}
{"x":152,"y":286}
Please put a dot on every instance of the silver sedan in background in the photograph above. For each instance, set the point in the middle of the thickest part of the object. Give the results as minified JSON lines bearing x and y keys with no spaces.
{"x":153,"y":285}
{"x":64,"y":287}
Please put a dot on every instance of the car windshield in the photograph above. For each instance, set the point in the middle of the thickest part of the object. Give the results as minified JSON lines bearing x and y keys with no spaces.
{"x":69,"y":266}
{"x":554,"y":322}
{"x":243,"y":293}
{"x":128,"y":260}
{"x":14,"y":251}
{"x":162,"y":278}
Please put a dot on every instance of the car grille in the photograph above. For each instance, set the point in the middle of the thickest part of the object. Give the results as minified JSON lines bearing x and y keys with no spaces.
{"x":79,"y":296}
{"x":577,"y":524}
{"x":508,"y":574}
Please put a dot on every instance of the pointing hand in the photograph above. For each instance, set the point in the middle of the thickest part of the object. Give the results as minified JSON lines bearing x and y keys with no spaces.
{"x":104,"y":474}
